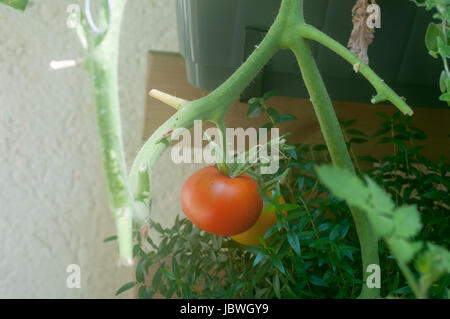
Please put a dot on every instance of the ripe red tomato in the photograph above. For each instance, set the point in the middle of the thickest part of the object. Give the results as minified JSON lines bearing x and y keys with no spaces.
{"x":220,"y":204}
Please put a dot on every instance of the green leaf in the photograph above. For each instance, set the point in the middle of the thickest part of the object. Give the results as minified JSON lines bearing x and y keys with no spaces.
{"x":126,"y":287}
{"x":356,"y":132}
{"x":382,"y":225}
{"x":255,"y":110}
{"x":276,"y":286}
{"x":288,"y":207}
{"x":140,"y":272}
{"x":445,"y":97}
{"x":443,"y":81}
{"x":254,"y":100}
{"x":276,"y":261}
{"x":270,"y":184}
{"x":273,"y":113}
{"x":267,"y":125}
{"x":379,"y":198}
{"x":403,"y":250}
{"x":294,"y":242}
{"x":156,"y":281}
{"x":142,"y":292}
{"x":344,"y":185}
{"x":110,"y":239}
{"x":381,"y":131}
{"x":435,"y":261}
{"x":16,"y":4}
{"x":432,"y":36}
{"x":407,"y":222}
{"x":356,"y":140}
{"x":317,"y":281}
{"x":269,"y":94}
{"x":258,"y":258}
{"x":286,"y":118}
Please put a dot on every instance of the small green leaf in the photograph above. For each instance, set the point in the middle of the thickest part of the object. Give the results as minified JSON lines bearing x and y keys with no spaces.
{"x":276,"y":286}
{"x":356,"y":140}
{"x":276,"y":261}
{"x":294,"y":242}
{"x":344,"y":185}
{"x":407,"y":221}
{"x":432,"y":36}
{"x":356,"y":132}
{"x":443,"y":82}
{"x":445,"y":97}
{"x":255,"y":110}
{"x":269,"y":94}
{"x":288,"y":207}
{"x":110,"y":239}
{"x":317,"y":281}
{"x":258,"y":258}
{"x":126,"y":287}
{"x":273,"y":113}
{"x":434,"y":262}
{"x":254,"y":100}
{"x":383,"y":225}
{"x":403,"y":250}
{"x":286,"y":118}
{"x":140,"y":272}
{"x":379,"y":198}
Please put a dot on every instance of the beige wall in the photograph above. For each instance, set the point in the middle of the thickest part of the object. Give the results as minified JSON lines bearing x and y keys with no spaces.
{"x":53,"y":204}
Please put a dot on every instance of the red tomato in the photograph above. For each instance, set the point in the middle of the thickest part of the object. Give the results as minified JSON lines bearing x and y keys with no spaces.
{"x":220,"y":204}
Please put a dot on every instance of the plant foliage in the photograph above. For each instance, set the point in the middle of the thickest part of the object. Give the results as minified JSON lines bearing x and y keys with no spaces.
{"x":313,"y":251}
{"x":396,"y":226}
{"x":437,"y":38}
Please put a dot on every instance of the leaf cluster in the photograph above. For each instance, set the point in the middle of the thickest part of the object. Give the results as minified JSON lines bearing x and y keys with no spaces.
{"x":313,"y":250}
{"x":397,"y":226}
{"x":437,"y":39}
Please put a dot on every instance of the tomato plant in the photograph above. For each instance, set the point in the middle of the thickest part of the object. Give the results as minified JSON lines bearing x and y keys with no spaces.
{"x":312,"y":251}
{"x":220,"y":204}
{"x":307,"y":253}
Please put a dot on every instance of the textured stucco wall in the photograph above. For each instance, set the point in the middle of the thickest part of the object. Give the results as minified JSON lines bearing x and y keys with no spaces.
{"x":53,"y":204}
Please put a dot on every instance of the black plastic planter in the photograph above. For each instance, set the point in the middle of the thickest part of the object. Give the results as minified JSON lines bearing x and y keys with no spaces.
{"x":216,"y":36}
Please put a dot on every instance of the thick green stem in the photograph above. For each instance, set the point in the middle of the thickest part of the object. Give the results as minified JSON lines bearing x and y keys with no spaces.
{"x":384,"y":92}
{"x":334,"y":139}
{"x":102,"y":64}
